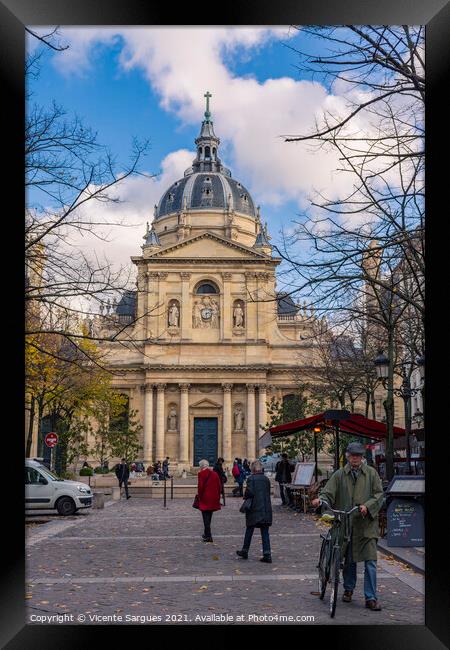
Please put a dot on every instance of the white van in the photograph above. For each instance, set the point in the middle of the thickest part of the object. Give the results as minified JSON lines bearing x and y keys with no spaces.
{"x":45,"y":491}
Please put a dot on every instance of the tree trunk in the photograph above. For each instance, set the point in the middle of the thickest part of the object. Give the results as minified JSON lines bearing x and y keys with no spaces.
{"x":367,"y":404}
{"x":30,"y":428}
{"x":389,"y":405}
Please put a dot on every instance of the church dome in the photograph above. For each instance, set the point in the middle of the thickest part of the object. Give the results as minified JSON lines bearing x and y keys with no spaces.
{"x":207,"y":184}
{"x":206,"y":191}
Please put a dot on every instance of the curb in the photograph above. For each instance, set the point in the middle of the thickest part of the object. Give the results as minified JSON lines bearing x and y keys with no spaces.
{"x":401,"y":559}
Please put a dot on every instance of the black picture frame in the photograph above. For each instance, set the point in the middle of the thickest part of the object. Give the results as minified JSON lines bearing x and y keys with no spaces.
{"x":435,"y":14}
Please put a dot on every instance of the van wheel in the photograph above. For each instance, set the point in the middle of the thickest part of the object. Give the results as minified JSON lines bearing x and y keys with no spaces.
{"x":66,"y":506}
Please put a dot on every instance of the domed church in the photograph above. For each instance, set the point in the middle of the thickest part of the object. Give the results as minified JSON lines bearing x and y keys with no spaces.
{"x":214,"y":340}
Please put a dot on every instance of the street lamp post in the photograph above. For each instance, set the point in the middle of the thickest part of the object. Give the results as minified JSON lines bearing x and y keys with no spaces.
{"x":385,"y":373}
{"x":382,"y":365}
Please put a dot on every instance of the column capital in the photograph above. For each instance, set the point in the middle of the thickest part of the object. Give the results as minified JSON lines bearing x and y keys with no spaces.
{"x":227,"y":275}
{"x":251,"y":388}
{"x":227,"y":388}
{"x":185,"y":275}
{"x":161,"y":387}
{"x":148,"y":387}
{"x":262,"y":388}
{"x":184,"y":388}
{"x":153,"y":275}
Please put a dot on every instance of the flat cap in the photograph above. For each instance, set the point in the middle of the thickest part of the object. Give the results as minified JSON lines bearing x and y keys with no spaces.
{"x":356,"y":448}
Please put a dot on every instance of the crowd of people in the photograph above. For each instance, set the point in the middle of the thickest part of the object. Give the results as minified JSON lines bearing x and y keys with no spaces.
{"x":357,"y":483}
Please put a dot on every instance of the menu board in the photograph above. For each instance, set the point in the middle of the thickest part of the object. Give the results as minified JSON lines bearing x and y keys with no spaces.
{"x":405,"y":523}
{"x":303,"y":474}
{"x":402,"y":485}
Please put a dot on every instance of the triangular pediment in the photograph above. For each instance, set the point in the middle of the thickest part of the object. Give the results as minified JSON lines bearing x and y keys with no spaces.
{"x":206,"y":403}
{"x":208,"y":245}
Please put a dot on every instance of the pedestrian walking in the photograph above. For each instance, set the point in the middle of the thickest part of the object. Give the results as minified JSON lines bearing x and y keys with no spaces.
{"x":165,"y":468}
{"x":218,"y":468}
{"x":358,"y":484}
{"x":239,"y":477}
{"x":209,"y":490}
{"x":259,"y":513}
{"x":123,"y":474}
{"x":283,"y":471}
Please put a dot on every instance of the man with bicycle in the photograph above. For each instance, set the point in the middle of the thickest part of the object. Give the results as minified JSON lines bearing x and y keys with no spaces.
{"x":358,"y":484}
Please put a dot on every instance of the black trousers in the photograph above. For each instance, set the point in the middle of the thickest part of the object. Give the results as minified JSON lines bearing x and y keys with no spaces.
{"x":285,"y":494}
{"x":125,"y":483}
{"x":207,"y":516}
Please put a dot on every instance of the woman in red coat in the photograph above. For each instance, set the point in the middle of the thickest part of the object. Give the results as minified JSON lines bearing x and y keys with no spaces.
{"x":209,"y":491}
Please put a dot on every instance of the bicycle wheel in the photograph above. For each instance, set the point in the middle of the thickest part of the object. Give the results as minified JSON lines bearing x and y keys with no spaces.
{"x":324,"y":565}
{"x":334,"y":579}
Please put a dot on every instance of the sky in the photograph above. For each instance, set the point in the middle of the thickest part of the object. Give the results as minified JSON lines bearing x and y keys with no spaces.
{"x":149,"y":83}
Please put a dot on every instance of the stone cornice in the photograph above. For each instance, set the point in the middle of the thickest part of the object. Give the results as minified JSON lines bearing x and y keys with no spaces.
{"x":212,"y":261}
{"x":201,"y":368}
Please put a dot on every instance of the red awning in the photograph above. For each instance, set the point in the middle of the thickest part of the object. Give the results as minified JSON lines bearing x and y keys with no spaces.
{"x":356,"y":424}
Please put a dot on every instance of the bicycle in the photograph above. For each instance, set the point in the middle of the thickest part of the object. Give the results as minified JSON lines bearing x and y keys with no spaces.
{"x":331,"y":558}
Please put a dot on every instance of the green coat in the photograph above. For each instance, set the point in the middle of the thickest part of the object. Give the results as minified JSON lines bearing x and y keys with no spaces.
{"x":342,"y":494}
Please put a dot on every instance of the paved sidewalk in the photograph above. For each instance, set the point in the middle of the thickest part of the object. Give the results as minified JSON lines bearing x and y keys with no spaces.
{"x":413,"y":557}
{"x":136,"y":562}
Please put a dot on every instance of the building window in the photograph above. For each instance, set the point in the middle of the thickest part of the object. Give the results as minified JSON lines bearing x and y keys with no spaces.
{"x":207,"y":152}
{"x":206,"y":287}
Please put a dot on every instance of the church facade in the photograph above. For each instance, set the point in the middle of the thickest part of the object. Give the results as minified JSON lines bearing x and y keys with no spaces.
{"x":213,"y":341}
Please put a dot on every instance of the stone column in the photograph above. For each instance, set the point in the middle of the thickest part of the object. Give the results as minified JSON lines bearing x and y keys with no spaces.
{"x":162,"y":305}
{"x":262,"y":413}
{"x":250,"y":422}
{"x":227,"y":424}
{"x":142,"y":309}
{"x":184,"y":424}
{"x":160,"y":422}
{"x":186,"y":307}
{"x":252,"y":317}
{"x":148,"y":424}
{"x":152,"y":305}
{"x":227,"y":306}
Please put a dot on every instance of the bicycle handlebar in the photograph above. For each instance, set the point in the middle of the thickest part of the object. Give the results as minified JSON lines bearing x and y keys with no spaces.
{"x":342,"y":512}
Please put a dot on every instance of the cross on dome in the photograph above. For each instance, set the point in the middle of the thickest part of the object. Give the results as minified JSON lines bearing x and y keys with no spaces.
{"x":207,"y":113}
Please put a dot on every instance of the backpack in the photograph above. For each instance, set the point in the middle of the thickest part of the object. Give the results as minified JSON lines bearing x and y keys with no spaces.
{"x":235,"y":471}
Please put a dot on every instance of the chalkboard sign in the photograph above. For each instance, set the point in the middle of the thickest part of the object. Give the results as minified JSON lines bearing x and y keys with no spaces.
{"x":405,"y":523}
{"x":303,"y":474}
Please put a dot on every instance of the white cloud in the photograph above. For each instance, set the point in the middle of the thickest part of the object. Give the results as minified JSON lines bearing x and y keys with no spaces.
{"x":181,"y":63}
{"x":137,"y":195}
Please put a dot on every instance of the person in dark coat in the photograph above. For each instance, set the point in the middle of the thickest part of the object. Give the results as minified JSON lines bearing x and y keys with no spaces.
{"x":165,"y":468}
{"x":239,"y":478}
{"x":260,"y":513}
{"x":209,"y":491}
{"x":218,"y":467}
{"x":123,"y":474}
{"x":283,"y":471}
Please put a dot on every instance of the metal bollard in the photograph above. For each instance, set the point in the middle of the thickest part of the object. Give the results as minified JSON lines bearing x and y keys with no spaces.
{"x":171,"y":488}
{"x":165,"y":493}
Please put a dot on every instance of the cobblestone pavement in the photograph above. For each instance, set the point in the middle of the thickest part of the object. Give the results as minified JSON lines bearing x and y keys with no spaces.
{"x":136,"y":559}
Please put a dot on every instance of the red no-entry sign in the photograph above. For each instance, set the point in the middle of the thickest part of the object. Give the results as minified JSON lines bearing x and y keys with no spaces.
{"x":51,"y":439}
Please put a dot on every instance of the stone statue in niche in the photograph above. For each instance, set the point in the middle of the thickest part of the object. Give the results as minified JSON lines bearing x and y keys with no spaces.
{"x":174,"y":315}
{"x":238,"y":315}
{"x":238,"y":418}
{"x":172,"y":419}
